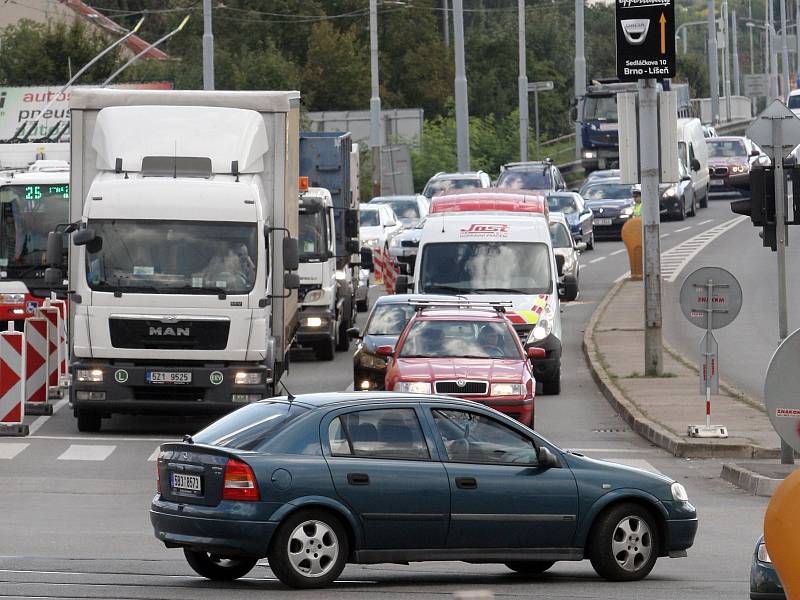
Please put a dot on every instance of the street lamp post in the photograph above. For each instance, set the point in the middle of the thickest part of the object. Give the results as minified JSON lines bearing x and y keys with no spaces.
{"x":462,"y":106}
{"x":784,"y":50}
{"x":374,"y":100}
{"x":713,"y":73}
{"x":726,"y":64}
{"x":736,"y":76}
{"x":522,"y":85}
{"x":580,"y":75}
{"x":208,"y":47}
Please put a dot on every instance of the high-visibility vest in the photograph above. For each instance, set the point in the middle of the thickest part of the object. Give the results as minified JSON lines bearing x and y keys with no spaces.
{"x":637,"y":210}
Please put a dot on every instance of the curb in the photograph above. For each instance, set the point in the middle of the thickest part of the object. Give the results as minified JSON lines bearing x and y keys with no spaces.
{"x":647,"y":428}
{"x":749,"y":481}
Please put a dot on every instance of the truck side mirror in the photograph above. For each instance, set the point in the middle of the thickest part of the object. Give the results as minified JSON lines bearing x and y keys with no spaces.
{"x":352,"y":246}
{"x":695,"y":164}
{"x":366,"y":259}
{"x":401,"y":284}
{"x":53,"y":276}
{"x":560,"y":264}
{"x":55,"y":249}
{"x":80,"y":238}
{"x":351,"y":223}
{"x":291,"y":281}
{"x":291,"y":254}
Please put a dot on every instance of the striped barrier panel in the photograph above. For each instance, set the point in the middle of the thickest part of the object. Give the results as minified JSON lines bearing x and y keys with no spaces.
{"x":36,"y":371}
{"x":54,"y":350}
{"x":63,"y":370}
{"x":378,"y":264}
{"x":12,"y":395}
{"x":390,"y":274}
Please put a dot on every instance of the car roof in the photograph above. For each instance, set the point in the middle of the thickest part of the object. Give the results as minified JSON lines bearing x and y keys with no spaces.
{"x":403,"y":197}
{"x":523,"y":166}
{"x":727,"y":138}
{"x":364,"y":399}
{"x":464,"y":174}
{"x":498,"y":199}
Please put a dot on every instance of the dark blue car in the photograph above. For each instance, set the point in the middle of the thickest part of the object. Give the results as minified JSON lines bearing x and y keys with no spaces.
{"x":579,"y":217}
{"x":764,"y":581}
{"x":317,"y":481}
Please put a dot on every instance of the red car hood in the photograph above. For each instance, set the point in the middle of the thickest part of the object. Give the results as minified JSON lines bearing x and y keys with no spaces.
{"x":483,"y":369}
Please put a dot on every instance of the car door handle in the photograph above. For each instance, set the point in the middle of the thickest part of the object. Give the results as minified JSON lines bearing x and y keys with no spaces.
{"x":466,"y":483}
{"x":358,"y":479}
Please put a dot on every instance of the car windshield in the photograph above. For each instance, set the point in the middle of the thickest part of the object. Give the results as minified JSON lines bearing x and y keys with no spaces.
{"x":486,"y":268}
{"x":369,"y":218}
{"x":251,"y":426}
{"x":607,"y":191}
{"x":563,"y":204}
{"x":459,"y":339}
{"x":389,"y":319}
{"x":406,"y":210}
{"x":537,"y":179}
{"x":726,"y":148}
{"x":178,"y":257}
{"x":442,"y":185}
{"x":312,"y":237}
{"x":600,"y":108}
{"x":560,"y":236}
{"x":30,"y":213}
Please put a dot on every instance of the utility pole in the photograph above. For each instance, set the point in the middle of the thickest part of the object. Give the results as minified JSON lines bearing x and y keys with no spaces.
{"x":736,"y":76}
{"x":750,"y":31}
{"x":580,"y":75}
{"x":784,"y":51}
{"x":522,"y":84}
{"x":797,"y":38}
{"x":374,"y":100}
{"x":462,"y":105}
{"x":208,"y":47}
{"x":713,"y":68}
{"x":446,"y":19}
{"x":773,"y":52}
{"x":649,"y":145}
{"x":726,"y":64}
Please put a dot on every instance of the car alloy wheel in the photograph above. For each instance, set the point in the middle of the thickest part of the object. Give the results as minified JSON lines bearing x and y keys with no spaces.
{"x":632,"y":543}
{"x":313,"y":548}
{"x":624,"y":542}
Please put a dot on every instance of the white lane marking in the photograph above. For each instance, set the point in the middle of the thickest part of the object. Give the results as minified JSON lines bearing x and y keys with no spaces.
{"x":625,"y":275}
{"x":37,"y":424}
{"x":154,"y":455}
{"x":664,"y":235}
{"x":10,"y":450}
{"x":598,"y":259}
{"x":706,"y":221}
{"x":615,"y":252}
{"x":87,"y":452}
{"x":683,"y":229}
{"x":635,"y":462}
{"x":675,"y":259}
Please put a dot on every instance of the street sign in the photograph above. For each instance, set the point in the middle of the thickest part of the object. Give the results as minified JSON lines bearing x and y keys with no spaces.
{"x":756,"y":84}
{"x":761,"y":129}
{"x":780,"y":391}
{"x":709,"y":364}
{"x":645,"y":39}
{"x":725,"y":299}
{"x":540,"y":86}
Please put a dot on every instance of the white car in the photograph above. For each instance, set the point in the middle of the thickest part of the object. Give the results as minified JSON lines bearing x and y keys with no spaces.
{"x":442,"y":182}
{"x":408,"y":210}
{"x":378,"y":225}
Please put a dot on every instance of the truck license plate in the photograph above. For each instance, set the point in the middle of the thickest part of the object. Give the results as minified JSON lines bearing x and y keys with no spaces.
{"x":717,"y":182}
{"x":186,"y":484}
{"x":174,"y":377}
{"x":602,"y":221}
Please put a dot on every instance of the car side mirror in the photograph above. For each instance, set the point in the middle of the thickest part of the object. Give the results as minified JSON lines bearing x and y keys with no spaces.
{"x":385,"y":350}
{"x":547,"y":460}
{"x":754,"y":153}
{"x":352,"y":246}
{"x":535,"y":352}
{"x":581,"y":246}
{"x":560,"y":264}
{"x":401,"y":284}
{"x":354,"y":333}
{"x":695,"y":164}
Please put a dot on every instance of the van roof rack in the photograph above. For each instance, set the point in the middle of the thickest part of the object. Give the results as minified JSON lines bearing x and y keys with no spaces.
{"x":495,"y":305}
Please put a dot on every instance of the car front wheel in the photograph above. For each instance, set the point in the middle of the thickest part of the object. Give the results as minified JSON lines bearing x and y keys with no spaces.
{"x":624,"y":543}
{"x":310,"y":550}
{"x":219,"y":568}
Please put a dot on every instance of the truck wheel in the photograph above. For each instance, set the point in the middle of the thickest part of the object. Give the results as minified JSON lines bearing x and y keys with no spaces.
{"x":342,"y":339}
{"x":89,"y":421}
{"x":325,"y":350}
{"x":552,"y":387}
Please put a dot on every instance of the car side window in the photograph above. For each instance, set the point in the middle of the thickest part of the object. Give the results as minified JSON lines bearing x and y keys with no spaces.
{"x":378,"y":433}
{"x":475,"y":438}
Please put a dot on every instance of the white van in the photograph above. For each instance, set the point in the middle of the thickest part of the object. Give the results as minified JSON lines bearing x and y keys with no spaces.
{"x":491,"y":256}
{"x":694,"y":156}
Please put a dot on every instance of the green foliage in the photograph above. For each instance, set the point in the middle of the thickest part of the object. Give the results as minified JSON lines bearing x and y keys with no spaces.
{"x":335,"y":56}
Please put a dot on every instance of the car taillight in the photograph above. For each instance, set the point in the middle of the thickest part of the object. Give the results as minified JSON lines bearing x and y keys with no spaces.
{"x":240,"y":482}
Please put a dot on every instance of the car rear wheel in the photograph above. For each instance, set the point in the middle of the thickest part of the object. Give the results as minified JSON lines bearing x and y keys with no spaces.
{"x":219,"y":568}
{"x":530,"y":567}
{"x":89,"y":421}
{"x":624,"y":543}
{"x":310,"y":550}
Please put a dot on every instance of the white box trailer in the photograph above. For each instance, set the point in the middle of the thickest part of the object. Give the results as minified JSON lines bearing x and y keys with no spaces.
{"x":182,"y":202}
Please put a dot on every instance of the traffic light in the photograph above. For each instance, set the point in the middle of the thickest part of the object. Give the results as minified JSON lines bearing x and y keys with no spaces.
{"x":760,"y":206}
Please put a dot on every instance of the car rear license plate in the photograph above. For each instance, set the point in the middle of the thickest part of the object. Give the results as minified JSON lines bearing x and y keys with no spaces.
{"x":174,"y":377}
{"x":716,"y":182}
{"x":186,"y":484}
{"x":603,"y":221}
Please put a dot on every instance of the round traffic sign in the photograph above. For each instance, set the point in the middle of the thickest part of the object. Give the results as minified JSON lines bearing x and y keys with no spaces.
{"x":780,"y":391}
{"x":726,"y":297}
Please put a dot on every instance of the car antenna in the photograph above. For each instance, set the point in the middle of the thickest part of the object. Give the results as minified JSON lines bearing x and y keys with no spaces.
{"x":188,"y":439}
{"x":289,"y":396}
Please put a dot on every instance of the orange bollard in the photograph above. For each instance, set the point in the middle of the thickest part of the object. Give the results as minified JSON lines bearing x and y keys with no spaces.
{"x":632,"y":237}
{"x":782,"y":534}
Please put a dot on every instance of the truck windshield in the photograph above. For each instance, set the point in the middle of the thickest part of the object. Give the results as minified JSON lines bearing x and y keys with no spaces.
{"x":313,"y":241}
{"x":485,"y":268}
{"x":30,"y":212}
{"x":600,"y":108}
{"x":178,"y":257}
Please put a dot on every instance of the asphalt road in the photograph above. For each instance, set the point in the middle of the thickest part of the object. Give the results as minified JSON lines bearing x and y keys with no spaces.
{"x":74,"y":520}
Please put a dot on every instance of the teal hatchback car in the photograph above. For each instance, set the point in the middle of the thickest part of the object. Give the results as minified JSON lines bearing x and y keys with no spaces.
{"x":318,"y":481}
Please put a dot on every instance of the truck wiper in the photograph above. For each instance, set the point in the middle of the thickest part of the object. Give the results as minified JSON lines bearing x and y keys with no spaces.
{"x":221,"y":293}
{"x":127,"y":289}
{"x":501,"y":291}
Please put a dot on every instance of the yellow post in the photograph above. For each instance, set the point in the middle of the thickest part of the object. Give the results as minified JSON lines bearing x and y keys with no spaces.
{"x":782,"y":534}
{"x":632,"y":237}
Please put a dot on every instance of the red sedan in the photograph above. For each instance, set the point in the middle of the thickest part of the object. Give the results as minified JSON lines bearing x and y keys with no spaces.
{"x":468,"y":353}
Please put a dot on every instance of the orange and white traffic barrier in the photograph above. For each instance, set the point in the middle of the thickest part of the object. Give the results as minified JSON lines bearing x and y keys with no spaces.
{"x":36,"y":371}
{"x":12,"y":395}
{"x":63,"y":369}
{"x":54,"y":350}
{"x":390,"y":275}
{"x":378,"y":264}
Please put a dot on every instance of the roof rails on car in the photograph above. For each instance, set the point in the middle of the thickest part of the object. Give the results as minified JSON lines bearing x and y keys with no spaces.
{"x":495,"y":305}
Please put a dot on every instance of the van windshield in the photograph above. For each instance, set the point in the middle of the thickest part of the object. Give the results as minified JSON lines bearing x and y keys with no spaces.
{"x":483,"y":267}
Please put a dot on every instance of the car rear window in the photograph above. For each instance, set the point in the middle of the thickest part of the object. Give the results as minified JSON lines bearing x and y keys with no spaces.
{"x":250,"y":426}
{"x":526,"y":180}
{"x":389,"y":319}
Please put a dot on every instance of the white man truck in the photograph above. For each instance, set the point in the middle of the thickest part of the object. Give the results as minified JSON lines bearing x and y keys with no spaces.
{"x":183,"y":213}
{"x":329,"y":245}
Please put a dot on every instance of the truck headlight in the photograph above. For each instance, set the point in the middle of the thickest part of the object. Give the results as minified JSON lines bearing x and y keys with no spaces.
{"x":313,"y":296}
{"x":589,"y":154}
{"x":12,"y":298}
{"x":413,"y":387}
{"x":313,"y":322}
{"x":679,"y":492}
{"x":762,"y":553}
{"x":507,"y":389}
{"x":248,"y":378}
{"x":369,"y":242}
{"x":542,"y":329}
{"x":89,"y":375}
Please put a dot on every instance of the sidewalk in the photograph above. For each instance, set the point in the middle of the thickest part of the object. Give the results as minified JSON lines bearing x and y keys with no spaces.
{"x":661,"y":408}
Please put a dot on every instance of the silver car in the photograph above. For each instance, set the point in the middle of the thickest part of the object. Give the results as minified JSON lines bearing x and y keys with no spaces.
{"x":567,"y":253}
